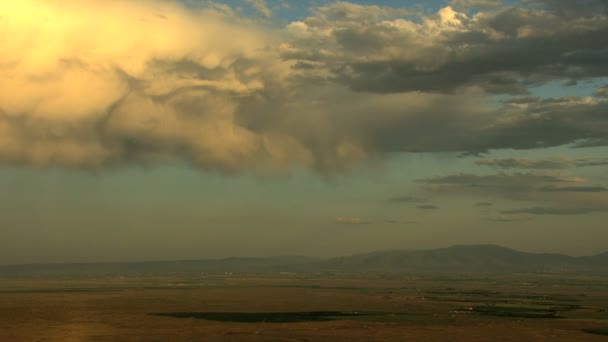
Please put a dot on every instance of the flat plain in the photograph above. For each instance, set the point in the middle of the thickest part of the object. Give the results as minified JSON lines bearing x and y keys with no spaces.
{"x":305,"y":307}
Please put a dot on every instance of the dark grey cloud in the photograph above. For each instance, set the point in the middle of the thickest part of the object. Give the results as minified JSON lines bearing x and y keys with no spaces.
{"x":551,"y":211}
{"x":575,"y":189}
{"x":591,"y":161}
{"x":497,"y":183}
{"x":427,"y":207}
{"x":450,"y":50}
{"x":546,"y":164}
{"x":554,"y":194}
{"x":571,"y":8}
{"x":548,"y":122}
{"x":525,"y":163}
{"x":593,"y":142}
{"x":449,"y":53}
{"x":367,"y":221}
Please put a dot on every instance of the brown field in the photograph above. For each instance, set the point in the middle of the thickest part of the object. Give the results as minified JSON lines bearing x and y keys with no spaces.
{"x":294,"y":307}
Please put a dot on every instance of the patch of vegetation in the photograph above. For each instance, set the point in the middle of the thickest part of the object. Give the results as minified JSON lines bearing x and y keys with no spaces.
{"x":470,"y":293}
{"x":66,"y":290}
{"x":272,"y":317}
{"x":498,"y":295}
{"x":514,"y":311}
{"x":597,"y":331}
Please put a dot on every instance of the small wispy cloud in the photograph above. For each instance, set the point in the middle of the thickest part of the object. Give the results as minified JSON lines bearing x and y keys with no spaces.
{"x":478,"y":4}
{"x":261,"y":6}
{"x":389,"y":221}
{"x":554,"y":163}
{"x":406,"y":199}
{"x":428,"y":207}
{"x":554,"y":194}
{"x":575,"y":189}
{"x":509,"y":218}
{"x":602,"y":91}
{"x":552,"y":211}
{"x":352,"y":220}
{"x":498,"y":183}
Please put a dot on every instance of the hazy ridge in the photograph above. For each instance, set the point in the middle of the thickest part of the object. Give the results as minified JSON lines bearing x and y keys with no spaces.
{"x":458,"y":259}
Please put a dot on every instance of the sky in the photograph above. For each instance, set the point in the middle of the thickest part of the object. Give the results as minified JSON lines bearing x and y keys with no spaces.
{"x":188,"y":129}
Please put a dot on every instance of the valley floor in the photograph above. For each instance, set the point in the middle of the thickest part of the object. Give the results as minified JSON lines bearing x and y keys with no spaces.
{"x":305,"y":307}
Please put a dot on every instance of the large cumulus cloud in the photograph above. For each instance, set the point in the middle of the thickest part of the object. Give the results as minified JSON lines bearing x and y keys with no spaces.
{"x":88,"y":83}
{"x":504,"y":50}
{"x":94,"y":83}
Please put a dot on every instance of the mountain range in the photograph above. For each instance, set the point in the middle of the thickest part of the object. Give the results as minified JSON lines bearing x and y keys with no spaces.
{"x":455,"y":259}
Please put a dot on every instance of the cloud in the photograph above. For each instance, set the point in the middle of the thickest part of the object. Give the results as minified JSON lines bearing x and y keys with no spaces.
{"x":484,"y":204}
{"x":550,"y":211}
{"x":261,"y":6}
{"x":591,"y":161}
{"x":575,"y":189}
{"x":467,"y":5}
{"x":509,"y":218}
{"x":406,"y":199}
{"x":497,"y":183}
{"x":548,"y":122}
{"x":571,"y":8}
{"x":427,"y":207}
{"x":382,"y":50}
{"x":551,"y":163}
{"x":525,"y":163}
{"x":163,"y":83}
{"x":602,"y":91}
{"x":450,"y":61}
{"x":352,"y":220}
{"x":156,"y":82}
{"x":388,"y":221}
{"x":554,"y":194}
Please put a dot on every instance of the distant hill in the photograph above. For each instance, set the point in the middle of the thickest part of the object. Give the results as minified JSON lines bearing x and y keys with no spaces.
{"x":455,"y":259}
{"x":475,"y":258}
{"x":239,"y":265}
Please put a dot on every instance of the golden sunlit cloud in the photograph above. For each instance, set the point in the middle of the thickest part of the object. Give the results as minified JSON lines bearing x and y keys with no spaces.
{"x":90,"y":84}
